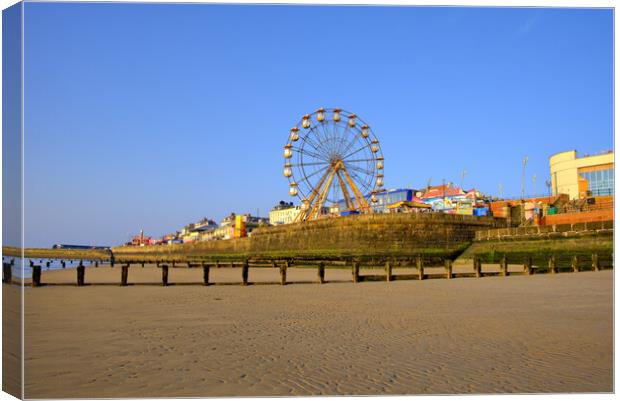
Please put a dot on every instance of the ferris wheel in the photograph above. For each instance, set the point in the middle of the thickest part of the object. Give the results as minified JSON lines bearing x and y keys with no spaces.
{"x":332,"y":158}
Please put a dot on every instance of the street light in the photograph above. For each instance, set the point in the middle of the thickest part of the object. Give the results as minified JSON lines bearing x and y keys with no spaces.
{"x":443,"y":207}
{"x":463,"y":177}
{"x":523,"y":178}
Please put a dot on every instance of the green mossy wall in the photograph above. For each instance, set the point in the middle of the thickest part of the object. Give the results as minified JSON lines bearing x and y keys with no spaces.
{"x":541,"y":249}
{"x":363,"y":236}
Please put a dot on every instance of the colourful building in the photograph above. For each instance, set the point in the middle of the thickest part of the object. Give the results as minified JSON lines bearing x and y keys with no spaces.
{"x":450,"y":199}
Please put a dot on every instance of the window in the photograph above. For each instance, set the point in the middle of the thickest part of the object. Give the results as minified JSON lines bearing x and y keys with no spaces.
{"x":600,"y":182}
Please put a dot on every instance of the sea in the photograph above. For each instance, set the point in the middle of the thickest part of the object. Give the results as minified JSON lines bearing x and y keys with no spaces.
{"x":54,"y":264}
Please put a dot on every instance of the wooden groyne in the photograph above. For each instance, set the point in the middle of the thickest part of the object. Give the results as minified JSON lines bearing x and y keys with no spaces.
{"x":553,"y":266}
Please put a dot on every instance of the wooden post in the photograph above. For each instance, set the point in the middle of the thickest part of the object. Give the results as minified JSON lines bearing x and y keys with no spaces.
{"x":282,"y":274}
{"x":420,"y":267}
{"x":124,"y":274}
{"x":321,"y":272}
{"x":575,"y":264}
{"x":356,"y":272}
{"x":477,"y":267}
{"x":164,"y":275}
{"x":142,"y":263}
{"x":80,"y":274}
{"x":388,"y":271}
{"x":36,"y":275}
{"x":527,"y":266}
{"x":503,"y":264}
{"x":205,"y":273}
{"x":7,"y":273}
{"x":552,"y":266}
{"x":244,"y":271}
{"x":448,"y":264}
{"x":595,"y":264}
{"x":96,"y":263}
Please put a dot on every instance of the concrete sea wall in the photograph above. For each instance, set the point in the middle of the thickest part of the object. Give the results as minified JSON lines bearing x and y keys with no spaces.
{"x":543,"y":232}
{"x":364,"y":236}
{"x":563,"y":242}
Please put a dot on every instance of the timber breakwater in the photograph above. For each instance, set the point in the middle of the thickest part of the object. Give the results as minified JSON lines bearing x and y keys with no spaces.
{"x":407,"y":242}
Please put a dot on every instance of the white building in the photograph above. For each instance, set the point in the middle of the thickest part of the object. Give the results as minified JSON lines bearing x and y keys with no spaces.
{"x":283,"y":213}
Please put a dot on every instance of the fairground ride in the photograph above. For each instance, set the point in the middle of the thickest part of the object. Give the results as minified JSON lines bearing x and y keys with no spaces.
{"x":333,"y":159}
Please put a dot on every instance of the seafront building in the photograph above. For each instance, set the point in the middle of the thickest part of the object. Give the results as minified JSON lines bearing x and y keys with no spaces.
{"x":283,"y":213}
{"x":141,"y":240}
{"x":580,"y":177}
{"x":581,"y":185}
{"x":442,"y":198}
{"x":451,"y":199}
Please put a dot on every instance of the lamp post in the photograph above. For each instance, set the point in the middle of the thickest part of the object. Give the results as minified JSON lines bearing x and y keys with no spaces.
{"x":523,"y":179}
{"x":534,"y":183}
{"x":463,"y":177}
{"x":443,"y":184}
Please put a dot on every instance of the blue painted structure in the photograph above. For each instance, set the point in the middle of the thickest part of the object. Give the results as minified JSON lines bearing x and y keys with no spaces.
{"x":384,"y":199}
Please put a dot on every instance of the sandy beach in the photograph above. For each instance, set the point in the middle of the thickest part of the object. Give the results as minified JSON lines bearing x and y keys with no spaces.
{"x":519,"y":334}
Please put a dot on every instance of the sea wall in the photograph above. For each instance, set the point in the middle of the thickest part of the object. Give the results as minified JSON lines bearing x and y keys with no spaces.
{"x":373,"y":235}
{"x":563,"y":242}
{"x":550,"y":231}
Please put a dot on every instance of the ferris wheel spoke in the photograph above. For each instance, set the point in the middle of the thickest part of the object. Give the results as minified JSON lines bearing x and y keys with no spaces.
{"x":356,"y":170}
{"x":324,"y":137}
{"x":334,"y":137}
{"x":325,"y":129}
{"x":360,"y":160}
{"x":307,"y":177}
{"x":310,"y":153}
{"x":360,"y":183}
{"x":320,"y":143}
{"x":356,"y":139}
{"x":321,"y":136}
{"x":339,"y":148}
{"x":356,"y":151}
{"x":359,"y":169}
{"x":309,"y":164}
{"x":306,"y":139}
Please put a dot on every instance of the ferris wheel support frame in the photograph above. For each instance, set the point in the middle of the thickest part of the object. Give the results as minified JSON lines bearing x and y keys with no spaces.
{"x":313,"y":208}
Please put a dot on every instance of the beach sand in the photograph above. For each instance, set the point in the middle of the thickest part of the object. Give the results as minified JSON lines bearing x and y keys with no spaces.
{"x":519,"y":334}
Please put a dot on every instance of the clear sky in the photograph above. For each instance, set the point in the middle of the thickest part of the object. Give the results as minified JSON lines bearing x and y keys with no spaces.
{"x":151,"y":116}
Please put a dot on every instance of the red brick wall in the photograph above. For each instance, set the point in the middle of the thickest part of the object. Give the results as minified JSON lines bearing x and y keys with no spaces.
{"x":580,"y":217}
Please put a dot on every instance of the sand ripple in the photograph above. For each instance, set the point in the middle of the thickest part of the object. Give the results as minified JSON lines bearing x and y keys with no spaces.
{"x":490,"y":335}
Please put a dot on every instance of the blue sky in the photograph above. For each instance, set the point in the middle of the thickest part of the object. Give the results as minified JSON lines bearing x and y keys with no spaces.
{"x":152,"y":116}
